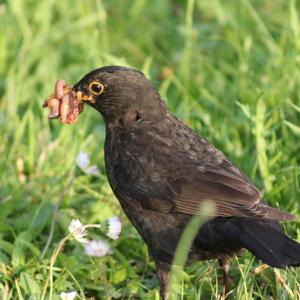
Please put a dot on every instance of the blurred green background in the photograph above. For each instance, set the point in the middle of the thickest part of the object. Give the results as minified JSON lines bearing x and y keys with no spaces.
{"x":230,"y":69}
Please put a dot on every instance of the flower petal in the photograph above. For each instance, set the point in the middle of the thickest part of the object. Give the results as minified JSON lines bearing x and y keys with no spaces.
{"x":68,"y":295}
{"x":75,"y":226}
{"x":97,"y":248}
{"x":114,"y":227}
{"x":82,"y":160}
{"x":77,"y":229}
{"x":92,"y":170}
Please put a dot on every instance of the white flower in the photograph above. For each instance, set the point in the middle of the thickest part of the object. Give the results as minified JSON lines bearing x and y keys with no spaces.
{"x":83,"y":161}
{"x":114,"y":228}
{"x":97,"y":248}
{"x":92,"y":170}
{"x":78,"y":231}
{"x":68,"y":296}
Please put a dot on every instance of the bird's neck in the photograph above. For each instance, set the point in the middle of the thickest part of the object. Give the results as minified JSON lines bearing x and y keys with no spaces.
{"x":135,"y":115}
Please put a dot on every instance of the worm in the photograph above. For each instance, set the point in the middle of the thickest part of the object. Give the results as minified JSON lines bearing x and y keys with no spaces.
{"x":54,"y":105}
{"x":60,"y":86}
{"x":63,"y":103}
{"x":64,"y":108}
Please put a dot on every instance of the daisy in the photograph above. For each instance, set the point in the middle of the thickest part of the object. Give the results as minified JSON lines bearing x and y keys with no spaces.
{"x":114,"y":227}
{"x":77,"y":229}
{"x":68,"y":296}
{"x":83,"y":162}
{"x":92,"y":170}
{"x":97,"y":248}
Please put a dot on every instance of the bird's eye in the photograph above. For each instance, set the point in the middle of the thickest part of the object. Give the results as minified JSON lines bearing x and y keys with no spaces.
{"x":96,"y":87}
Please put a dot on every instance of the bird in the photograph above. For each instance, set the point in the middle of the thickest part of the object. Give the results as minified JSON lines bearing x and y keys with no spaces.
{"x":161,"y":171}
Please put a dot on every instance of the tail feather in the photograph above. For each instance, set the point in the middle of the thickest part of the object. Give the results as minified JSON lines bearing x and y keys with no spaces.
{"x":267,"y":242}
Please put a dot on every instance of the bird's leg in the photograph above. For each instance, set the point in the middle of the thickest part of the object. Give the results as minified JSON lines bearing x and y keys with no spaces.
{"x":163,"y":276}
{"x":225,"y":265}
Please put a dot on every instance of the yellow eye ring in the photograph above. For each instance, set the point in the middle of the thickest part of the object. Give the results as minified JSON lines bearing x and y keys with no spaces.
{"x":96,"y":88}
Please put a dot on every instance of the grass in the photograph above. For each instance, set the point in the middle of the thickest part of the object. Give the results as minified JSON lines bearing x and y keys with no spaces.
{"x":230,"y":69}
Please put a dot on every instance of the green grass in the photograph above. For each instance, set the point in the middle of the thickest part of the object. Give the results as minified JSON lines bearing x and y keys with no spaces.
{"x":230,"y":69}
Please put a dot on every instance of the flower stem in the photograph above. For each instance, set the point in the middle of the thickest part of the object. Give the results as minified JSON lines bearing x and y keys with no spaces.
{"x":102,"y":275}
{"x":52,"y":262}
{"x":92,"y":226}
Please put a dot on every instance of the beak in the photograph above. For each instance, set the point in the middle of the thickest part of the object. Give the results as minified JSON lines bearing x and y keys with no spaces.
{"x":81,"y":97}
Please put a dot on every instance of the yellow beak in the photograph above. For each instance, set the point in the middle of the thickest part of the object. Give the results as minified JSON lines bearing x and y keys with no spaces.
{"x":84,"y":97}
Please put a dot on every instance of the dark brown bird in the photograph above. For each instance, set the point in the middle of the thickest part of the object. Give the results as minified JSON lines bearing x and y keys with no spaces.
{"x":161,"y":171}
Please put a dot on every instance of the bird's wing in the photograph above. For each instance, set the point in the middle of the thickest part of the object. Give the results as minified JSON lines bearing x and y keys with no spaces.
{"x":184,"y":191}
{"x":170,"y":174}
{"x":231,"y":193}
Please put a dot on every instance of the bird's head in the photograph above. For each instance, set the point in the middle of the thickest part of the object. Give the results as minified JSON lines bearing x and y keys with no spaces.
{"x":120,"y":94}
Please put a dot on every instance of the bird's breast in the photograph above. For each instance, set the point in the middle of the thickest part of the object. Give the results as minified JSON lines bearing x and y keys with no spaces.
{"x":127,"y":158}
